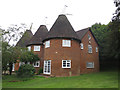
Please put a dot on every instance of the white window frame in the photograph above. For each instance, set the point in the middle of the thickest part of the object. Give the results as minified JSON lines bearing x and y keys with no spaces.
{"x":29,"y":48}
{"x":47,"y":65}
{"x":89,"y":49}
{"x":36,"y":64}
{"x":91,"y":63}
{"x":21,"y":63}
{"x":96,"y":49}
{"x":89,"y":37}
{"x":13,"y":67}
{"x":66,"y":43}
{"x":47,"y":44}
{"x":36,"y":48}
{"x":66,"y":62}
{"x":81,"y":45}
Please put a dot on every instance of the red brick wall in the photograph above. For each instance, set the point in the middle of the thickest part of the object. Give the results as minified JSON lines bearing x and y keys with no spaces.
{"x":40,"y":55}
{"x":89,"y":57}
{"x":56,"y":53}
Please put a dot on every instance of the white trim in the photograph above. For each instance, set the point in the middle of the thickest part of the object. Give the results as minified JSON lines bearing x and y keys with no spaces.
{"x":66,"y":63}
{"x":13,"y":67}
{"x":47,"y":66}
{"x":81,"y":45}
{"x":35,"y":64}
{"x":96,"y":49}
{"x":47,"y":44}
{"x":66,"y":43}
{"x":36,"y":48}
{"x":89,"y":63}
{"x":89,"y":49}
{"x":29,"y":48}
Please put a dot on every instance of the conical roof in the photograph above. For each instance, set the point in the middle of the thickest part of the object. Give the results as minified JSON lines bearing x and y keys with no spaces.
{"x":62,"y":29}
{"x":38,"y":36}
{"x":25,"y":38}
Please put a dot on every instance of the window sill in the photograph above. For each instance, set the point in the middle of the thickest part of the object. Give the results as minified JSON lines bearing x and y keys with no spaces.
{"x":90,"y":67}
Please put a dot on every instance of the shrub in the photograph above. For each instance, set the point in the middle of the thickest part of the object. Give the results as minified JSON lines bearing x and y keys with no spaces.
{"x":26,"y":70}
{"x":40,"y":70}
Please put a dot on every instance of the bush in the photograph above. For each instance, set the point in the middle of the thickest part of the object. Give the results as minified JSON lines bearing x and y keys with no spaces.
{"x":26,"y":70}
{"x":40,"y":70}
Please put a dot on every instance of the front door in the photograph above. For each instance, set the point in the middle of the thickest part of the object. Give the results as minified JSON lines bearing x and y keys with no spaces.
{"x":47,"y":67}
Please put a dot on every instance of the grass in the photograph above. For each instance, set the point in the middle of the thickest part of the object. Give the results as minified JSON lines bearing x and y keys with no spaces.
{"x":94,"y":80}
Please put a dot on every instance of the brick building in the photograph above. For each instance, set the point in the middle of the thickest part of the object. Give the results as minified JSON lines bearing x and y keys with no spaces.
{"x":63,"y":51}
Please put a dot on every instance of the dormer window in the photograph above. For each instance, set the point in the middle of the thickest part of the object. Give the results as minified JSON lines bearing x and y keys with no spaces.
{"x":89,"y":49}
{"x":36,"y":48}
{"x":81,"y":45}
{"x":66,"y":43}
{"x":47,"y":44}
{"x":29,"y":48}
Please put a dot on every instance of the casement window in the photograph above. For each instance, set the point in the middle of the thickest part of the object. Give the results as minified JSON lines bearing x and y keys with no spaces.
{"x":89,"y":49}
{"x":66,"y":63}
{"x":81,"y":45}
{"x":29,"y":48}
{"x":13,"y":67}
{"x":89,"y":37}
{"x":90,"y":64}
{"x":47,"y":67}
{"x":66,"y":43}
{"x":21,"y":63}
{"x":96,"y":49}
{"x":36,"y":64}
{"x":47,"y":44}
{"x":36,"y":48}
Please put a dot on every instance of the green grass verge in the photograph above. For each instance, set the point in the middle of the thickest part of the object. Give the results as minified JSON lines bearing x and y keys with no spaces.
{"x":94,"y":80}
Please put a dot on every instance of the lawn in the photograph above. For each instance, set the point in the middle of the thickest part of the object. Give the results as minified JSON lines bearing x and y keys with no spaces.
{"x":107,"y":79}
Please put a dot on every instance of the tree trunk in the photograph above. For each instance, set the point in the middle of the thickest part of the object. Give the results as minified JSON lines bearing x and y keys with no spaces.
{"x":10,"y":68}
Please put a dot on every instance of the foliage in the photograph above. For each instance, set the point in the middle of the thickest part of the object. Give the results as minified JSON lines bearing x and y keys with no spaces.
{"x":106,"y":79}
{"x":28,"y":56}
{"x":26,"y":70}
{"x":40,"y":71}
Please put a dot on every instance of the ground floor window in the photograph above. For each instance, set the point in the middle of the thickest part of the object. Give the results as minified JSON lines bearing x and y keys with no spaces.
{"x":47,"y":66}
{"x":90,"y":64}
{"x":36,"y":64}
{"x":66,"y":63}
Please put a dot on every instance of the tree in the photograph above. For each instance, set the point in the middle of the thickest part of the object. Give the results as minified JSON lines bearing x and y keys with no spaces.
{"x":29,"y":56}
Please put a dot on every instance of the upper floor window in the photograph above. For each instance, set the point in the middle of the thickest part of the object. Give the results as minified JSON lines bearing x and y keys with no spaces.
{"x":66,"y":43}
{"x":29,"y":48}
{"x":90,"y":64}
{"x":89,"y":37}
{"x":66,"y":63}
{"x":47,"y":44}
{"x":36,"y":48}
{"x":36,"y":64}
{"x":81,"y":45}
{"x":96,"y":49}
{"x":89,"y":49}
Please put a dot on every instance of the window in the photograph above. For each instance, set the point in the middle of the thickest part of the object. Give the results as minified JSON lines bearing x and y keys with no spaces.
{"x":36,"y":64}
{"x":66,"y":63}
{"x":96,"y":49}
{"x":81,"y":45}
{"x":90,"y":64}
{"x":47,"y":66}
{"x":47,"y":44}
{"x":89,"y":37}
{"x":29,"y":48}
{"x":21,"y":63}
{"x":89,"y":49}
{"x":13,"y":67}
{"x":66,"y":43}
{"x":36,"y":48}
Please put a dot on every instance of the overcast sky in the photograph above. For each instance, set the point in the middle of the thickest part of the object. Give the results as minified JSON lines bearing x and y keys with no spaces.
{"x":84,"y":12}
